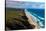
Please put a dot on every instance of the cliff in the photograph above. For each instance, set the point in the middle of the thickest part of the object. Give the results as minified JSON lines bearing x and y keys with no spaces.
{"x":16,"y":19}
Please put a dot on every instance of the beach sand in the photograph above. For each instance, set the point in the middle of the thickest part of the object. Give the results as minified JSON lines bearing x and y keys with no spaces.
{"x":33,"y":22}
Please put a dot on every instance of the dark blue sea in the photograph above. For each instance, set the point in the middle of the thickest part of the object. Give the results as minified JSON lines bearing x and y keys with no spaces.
{"x":38,"y":12}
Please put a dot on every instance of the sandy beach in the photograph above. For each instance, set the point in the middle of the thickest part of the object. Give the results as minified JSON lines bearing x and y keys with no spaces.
{"x":33,"y":22}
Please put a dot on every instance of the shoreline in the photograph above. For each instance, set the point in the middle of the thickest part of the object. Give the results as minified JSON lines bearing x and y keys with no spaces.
{"x":31,"y":19}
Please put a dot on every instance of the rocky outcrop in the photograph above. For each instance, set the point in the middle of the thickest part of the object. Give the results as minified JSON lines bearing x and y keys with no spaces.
{"x":20,"y":21}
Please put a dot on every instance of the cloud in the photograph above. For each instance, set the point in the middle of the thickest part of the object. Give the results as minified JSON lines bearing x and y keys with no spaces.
{"x":20,"y":4}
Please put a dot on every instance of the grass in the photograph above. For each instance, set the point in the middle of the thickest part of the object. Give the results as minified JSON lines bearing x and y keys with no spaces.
{"x":11,"y":13}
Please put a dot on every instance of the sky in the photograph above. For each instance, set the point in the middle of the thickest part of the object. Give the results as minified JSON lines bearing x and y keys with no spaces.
{"x":29,"y":0}
{"x":29,"y":4}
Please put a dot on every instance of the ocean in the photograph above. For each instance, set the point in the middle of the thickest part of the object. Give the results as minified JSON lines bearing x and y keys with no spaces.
{"x":39,"y":14}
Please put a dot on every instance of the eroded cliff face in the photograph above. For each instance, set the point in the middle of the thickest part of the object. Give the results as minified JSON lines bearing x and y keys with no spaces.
{"x":16,"y":19}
